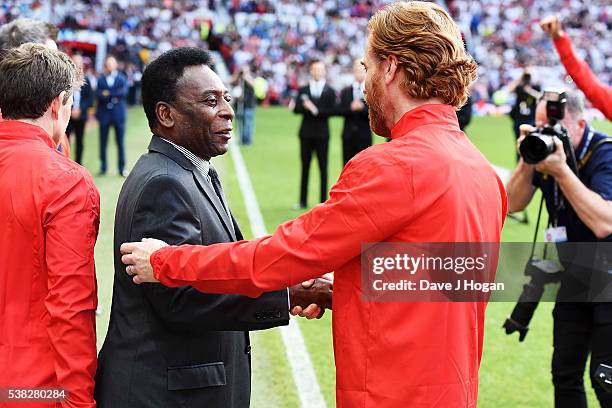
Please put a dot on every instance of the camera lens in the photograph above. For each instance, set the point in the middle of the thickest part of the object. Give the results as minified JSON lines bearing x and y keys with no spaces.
{"x":536,"y":147}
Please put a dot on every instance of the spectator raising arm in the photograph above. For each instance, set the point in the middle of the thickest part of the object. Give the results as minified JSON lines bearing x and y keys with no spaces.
{"x":598,"y":93}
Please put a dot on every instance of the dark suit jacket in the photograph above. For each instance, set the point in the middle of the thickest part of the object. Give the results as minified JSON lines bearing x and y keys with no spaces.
{"x":87,"y":99}
{"x":112,"y":108}
{"x":177,"y":347}
{"x":356,"y":124}
{"x":316,"y":127}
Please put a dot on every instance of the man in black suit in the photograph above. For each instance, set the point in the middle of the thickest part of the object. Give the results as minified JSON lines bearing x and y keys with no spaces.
{"x":83,"y":99}
{"x":316,"y":101}
{"x":180,"y":347}
{"x":356,"y":133}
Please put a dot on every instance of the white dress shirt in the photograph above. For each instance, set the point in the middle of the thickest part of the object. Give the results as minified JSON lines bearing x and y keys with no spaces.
{"x":316,"y":88}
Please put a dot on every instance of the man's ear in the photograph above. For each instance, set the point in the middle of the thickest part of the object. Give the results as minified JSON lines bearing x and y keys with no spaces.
{"x":165,"y":114}
{"x":391,"y":70}
{"x":57,"y":104}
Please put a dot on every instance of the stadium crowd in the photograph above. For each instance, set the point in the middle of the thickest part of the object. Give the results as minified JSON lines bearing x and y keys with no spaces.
{"x":504,"y":37}
{"x":277,"y":38}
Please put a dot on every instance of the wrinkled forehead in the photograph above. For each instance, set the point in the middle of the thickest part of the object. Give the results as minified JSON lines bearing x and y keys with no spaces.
{"x":198,"y":79}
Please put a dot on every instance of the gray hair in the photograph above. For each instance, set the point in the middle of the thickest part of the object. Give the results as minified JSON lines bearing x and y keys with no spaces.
{"x":575,"y":104}
{"x":26,"y":30}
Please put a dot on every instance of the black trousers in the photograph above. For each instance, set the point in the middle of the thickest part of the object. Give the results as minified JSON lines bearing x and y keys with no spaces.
{"x":78,"y":127}
{"x":307,"y":148}
{"x":119,"y":136}
{"x":580,"y":328}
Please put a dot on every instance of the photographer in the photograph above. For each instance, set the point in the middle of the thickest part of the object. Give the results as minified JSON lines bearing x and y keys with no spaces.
{"x":581,"y":210}
{"x":599,"y":94}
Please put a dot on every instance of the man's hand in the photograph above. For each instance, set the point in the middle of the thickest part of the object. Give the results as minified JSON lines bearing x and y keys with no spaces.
{"x":137,"y":257}
{"x":524,"y":130}
{"x":552,"y":26}
{"x":76,"y":113}
{"x":556,"y":162}
{"x":311,"y":107}
{"x":357,"y":105}
{"x":105,"y":93}
{"x":519,"y":187}
{"x":310,"y":298}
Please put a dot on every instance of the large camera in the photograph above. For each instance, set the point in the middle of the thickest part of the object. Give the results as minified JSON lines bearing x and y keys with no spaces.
{"x":537,"y":145}
{"x":541,"y":272}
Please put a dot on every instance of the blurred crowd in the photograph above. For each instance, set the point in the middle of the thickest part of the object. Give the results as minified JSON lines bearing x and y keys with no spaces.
{"x":277,"y":38}
{"x":505,"y":38}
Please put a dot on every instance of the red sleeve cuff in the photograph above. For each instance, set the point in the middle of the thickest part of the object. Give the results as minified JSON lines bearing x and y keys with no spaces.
{"x":157,"y":259}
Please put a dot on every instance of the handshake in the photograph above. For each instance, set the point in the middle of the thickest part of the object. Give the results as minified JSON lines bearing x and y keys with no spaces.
{"x":310,"y":298}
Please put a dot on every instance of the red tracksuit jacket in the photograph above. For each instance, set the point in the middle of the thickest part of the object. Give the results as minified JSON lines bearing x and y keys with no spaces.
{"x":64,"y":144}
{"x":429,"y":184}
{"x":49,"y":216}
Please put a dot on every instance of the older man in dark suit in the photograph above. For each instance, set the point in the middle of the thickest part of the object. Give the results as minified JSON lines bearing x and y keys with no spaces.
{"x":112,"y":111}
{"x":180,"y":347}
{"x":316,"y":101}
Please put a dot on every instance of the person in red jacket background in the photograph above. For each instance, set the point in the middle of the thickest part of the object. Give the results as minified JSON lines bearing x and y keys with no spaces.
{"x":428,"y":184}
{"x":598,"y":93}
{"x":25,"y":30}
{"x":49,"y":218}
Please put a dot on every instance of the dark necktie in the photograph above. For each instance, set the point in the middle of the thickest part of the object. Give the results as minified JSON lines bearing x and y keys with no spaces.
{"x":216,"y":183}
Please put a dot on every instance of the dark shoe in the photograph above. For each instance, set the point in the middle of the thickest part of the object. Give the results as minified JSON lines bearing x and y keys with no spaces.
{"x":299,"y":206}
{"x":101,"y":173}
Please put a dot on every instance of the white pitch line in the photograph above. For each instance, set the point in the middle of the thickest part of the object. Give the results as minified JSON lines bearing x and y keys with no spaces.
{"x":303,"y":372}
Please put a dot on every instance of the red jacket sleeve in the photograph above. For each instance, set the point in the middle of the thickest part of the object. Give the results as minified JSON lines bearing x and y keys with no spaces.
{"x":325,"y":238}
{"x":599,"y":94}
{"x":70,"y":220}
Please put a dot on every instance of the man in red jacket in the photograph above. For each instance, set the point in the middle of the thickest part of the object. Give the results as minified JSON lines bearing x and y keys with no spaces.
{"x":598,"y":93}
{"x":429,"y":184}
{"x":49,"y":217}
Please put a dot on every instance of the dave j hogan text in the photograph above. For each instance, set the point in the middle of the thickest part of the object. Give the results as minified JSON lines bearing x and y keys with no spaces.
{"x":423,"y":284}
{"x":417,"y":272}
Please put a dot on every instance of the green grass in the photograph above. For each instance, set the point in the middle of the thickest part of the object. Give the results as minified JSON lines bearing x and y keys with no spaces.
{"x":512,"y":374}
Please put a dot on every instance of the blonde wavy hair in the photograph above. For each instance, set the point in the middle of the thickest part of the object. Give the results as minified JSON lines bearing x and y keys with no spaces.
{"x":429,"y":49}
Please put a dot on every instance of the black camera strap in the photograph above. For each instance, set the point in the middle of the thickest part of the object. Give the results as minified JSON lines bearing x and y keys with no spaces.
{"x":537,"y":229}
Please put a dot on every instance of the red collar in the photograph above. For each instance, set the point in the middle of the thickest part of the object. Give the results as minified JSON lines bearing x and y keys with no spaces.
{"x":425,"y":115}
{"x":16,"y":130}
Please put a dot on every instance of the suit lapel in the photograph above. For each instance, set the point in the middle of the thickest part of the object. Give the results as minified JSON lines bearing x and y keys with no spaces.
{"x":239,"y":236}
{"x":167,"y":149}
{"x":216,"y":202}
